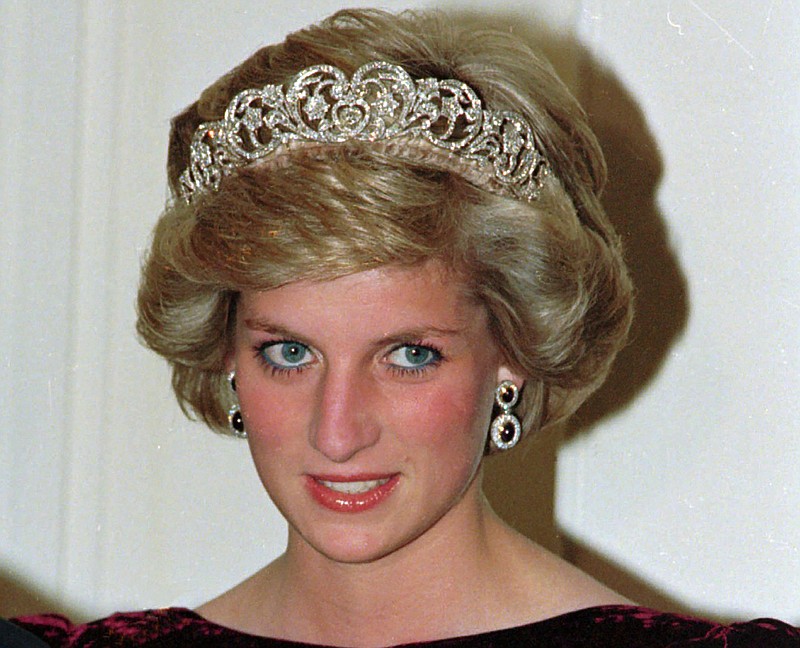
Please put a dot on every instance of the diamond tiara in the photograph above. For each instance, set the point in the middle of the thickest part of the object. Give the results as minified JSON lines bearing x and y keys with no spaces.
{"x":380,"y":102}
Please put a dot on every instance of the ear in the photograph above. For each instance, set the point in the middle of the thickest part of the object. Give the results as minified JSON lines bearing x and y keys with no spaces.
{"x":230,"y":361}
{"x":231,"y":333}
{"x":506,"y":372}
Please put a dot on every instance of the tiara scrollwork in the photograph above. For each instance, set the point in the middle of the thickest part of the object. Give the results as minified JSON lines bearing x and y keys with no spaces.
{"x":380,"y":102}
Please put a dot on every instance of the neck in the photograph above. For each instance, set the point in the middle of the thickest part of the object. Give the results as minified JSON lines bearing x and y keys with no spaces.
{"x":424,"y":590}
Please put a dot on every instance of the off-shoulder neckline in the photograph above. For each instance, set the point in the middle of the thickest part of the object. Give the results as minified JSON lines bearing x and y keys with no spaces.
{"x":594,"y":611}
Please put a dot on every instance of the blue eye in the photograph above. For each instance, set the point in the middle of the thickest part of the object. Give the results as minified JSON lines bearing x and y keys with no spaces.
{"x":286,"y":355}
{"x":414,"y":356}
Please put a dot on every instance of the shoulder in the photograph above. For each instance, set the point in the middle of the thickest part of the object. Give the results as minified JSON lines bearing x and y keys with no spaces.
{"x":616,"y":626}
{"x":540,"y":585}
{"x":164,"y":628}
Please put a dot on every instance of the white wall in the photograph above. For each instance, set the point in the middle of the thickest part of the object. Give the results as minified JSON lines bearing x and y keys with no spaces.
{"x":683,"y":472}
{"x":707,"y":458}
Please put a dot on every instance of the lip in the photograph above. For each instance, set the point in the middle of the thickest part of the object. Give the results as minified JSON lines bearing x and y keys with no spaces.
{"x":350,"y":502}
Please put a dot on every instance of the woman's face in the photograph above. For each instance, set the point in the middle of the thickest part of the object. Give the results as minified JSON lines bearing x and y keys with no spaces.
{"x":367,"y":401}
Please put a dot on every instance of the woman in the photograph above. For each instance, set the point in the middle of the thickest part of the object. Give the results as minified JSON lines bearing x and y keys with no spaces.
{"x":385,"y":258}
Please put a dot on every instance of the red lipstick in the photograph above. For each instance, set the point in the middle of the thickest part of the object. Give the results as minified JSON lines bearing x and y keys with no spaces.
{"x":324,"y":492}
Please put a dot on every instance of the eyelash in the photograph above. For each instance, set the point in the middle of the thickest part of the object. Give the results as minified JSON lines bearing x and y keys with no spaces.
{"x":276,"y":370}
{"x":437,"y":360}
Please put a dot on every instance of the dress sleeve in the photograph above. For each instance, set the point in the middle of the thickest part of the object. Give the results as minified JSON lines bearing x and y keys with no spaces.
{"x":754,"y":634}
{"x":165,"y":627}
{"x":52,"y":629}
{"x":621,"y":626}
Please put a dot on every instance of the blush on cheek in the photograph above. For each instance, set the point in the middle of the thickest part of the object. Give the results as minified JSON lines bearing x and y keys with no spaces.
{"x":267,"y":434}
{"x":271,"y":430}
{"x":449,"y":418}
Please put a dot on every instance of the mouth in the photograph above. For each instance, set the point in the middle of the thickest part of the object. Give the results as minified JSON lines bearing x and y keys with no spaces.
{"x":353,"y":487}
{"x":352,"y":494}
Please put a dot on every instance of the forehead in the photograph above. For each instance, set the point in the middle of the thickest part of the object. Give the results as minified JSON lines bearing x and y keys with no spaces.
{"x":426,"y":295}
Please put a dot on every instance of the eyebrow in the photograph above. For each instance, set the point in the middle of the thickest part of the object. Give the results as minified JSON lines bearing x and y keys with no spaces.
{"x":266,"y":326}
{"x":413,"y":334}
{"x":406,"y":335}
{"x":263,"y":324}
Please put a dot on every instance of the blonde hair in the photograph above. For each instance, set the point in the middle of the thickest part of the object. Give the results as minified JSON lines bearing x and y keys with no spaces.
{"x":550,"y":272}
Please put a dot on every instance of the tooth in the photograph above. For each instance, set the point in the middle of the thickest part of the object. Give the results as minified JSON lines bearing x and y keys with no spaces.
{"x":355,"y":487}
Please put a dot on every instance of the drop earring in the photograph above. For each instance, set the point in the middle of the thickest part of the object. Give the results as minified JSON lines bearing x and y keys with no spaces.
{"x":235,"y":420}
{"x":506,"y":429}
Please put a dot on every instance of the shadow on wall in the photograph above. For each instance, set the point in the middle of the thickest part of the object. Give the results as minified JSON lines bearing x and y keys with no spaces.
{"x":521,"y":487}
{"x":521,"y":484}
{"x":662,"y":301}
{"x":19,"y":597}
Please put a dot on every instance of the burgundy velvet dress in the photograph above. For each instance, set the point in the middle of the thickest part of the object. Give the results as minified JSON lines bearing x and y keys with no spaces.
{"x":611,"y":626}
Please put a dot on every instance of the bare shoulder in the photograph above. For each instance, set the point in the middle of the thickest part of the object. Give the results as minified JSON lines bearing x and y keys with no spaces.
{"x":545,"y":585}
{"x":236,"y":607}
{"x":577,"y":589}
{"x":222,"y":609}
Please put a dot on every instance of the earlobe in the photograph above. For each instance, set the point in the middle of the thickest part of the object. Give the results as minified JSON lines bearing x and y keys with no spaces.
{"x":504,"y":372}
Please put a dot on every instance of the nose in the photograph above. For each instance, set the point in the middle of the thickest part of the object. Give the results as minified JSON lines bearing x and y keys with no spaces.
{"x":344,"y":421}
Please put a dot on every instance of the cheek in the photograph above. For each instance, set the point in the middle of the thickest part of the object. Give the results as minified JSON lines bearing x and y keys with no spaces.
{"x":268,"y":416}
{"x":449,"y":418}
{"x":276,"y":447}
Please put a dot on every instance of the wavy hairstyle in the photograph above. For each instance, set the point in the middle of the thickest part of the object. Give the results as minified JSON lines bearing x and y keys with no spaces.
{"x":550,"y":272}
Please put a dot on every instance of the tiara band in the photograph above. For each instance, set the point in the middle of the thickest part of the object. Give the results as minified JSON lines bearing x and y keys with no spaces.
{"x":380,"y":102}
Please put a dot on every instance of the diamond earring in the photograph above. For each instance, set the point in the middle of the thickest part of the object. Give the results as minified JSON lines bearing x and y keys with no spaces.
{"x":235,"y":420}
{"x":506,"y":429}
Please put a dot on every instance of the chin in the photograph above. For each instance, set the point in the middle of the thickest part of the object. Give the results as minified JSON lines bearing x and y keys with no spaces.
{"x":349,"y":545}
